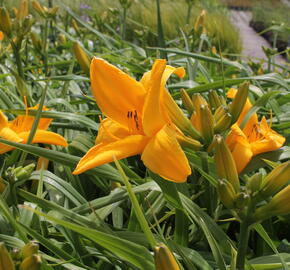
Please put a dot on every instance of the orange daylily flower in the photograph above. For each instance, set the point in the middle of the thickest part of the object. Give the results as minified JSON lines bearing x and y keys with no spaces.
{"x":137,"y":121}
{"x":255,"y":138}
{"x":18,"y":131}
{"x":1,"y":35}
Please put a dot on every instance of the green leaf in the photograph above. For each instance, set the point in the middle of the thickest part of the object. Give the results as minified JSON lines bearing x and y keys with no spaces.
{"x":261,"y":231}
{"x":107,"y":171}
{"x":128,"y":251}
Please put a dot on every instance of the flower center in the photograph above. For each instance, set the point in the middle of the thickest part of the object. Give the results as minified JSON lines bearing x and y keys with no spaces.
{"x":134,"y":125}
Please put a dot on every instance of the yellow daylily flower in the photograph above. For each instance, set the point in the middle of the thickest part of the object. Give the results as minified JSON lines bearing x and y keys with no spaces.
{"x":255,"y":138}
{"x":137,"y":121}
{"x":18,"y":131}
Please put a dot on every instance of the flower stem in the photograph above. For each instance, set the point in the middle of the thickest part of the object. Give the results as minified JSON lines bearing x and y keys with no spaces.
{"x":243,"y":245}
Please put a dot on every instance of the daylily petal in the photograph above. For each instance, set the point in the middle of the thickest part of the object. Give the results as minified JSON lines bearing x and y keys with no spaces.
{"x":8,"y":134}
{"x":240,"y":147}
{"x":3,"y":120}
{"x":5,"y":148}
{"x":164,"y":156}
{"x":153,"y":113}
{"x":269,"y":141}
{"x":1,"y":35}
{"x":116,"y":92}
{"x":110,"y":131}
{"x":169,"y":70}
{"x":43,"y":136}
{"x":104,"y":153}
{"x":24,"y":122}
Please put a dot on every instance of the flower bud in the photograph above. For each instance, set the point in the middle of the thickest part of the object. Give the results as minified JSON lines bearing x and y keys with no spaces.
{"x":226,"y":193}
{"x":82,"y":58}
{"x":188,"y":142}
{"x":164,"y":259}
{"x":31,"y":263}
{"x":62,"y":39}
{"x":21,"y":173}
{"x":223,"y":123}
{"x":200,"y":21}
{"x":215,"y":100}
{"x":178,"y":118}
{"x":276,"y":179}
{"x":207,"y":123}
{"x":220,"y":112}
{"x":75,"y":25}
{"x":239,"y":101}
{"x":186,"y":101}
{"x":278,"y":205}
{"x":197,"y":101}
{"x":29,"y":249}
{"x":26,"y":25}
{"x":23,"y":10}
{"x":5,"y":22}
{"x":225,"y":164}
{"x":254,"y":182}
{"x":36,"y":41}
{"x":6,"y":262}
{"x":38,"y":7}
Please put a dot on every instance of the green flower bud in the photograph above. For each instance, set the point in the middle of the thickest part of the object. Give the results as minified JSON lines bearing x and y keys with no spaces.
{"x":276,"y":179}
{"x":6,"y":262}
{"x":225,"y":164}
{"x":164,"y":259}
{"x":239,"y":101}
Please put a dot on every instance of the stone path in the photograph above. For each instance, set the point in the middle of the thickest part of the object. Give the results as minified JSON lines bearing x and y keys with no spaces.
{"x":252,"y":42}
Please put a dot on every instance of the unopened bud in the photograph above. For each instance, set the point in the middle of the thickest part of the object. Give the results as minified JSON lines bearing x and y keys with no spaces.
{"x":31,"y":263}
{"x":278,"y":205}
{"x":239,"y":101}
{"x":197,"y":101}
{"x":164,"y":259}
{"x":82,"y":58}
{"x":5,"y":259}
{"x":207,"y":124}
{"x":225,"y":164}
{"x":29,"y":249}
{"x":5,"y":22}
{"x":186,"y":101}
{"x":223,"y":123}
{"x":27,"y":23}
{"x":215,"y":100}
{"x":23,"y":10}
{"x":220,"y":112}
{"x":200,"y":21}
{"x":276,"y":179}
{"x":188,"y":142}
{"x":38,"y":7}
{"x":62,"y":38}
{"x":75,"y":25}
{"x":254,"y":182}
{"x":226,"y":193}
{"x":36,"y":41}
{"x":22,"y":173}
{"x":178,"y":118}
{"x":52,"y":11}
